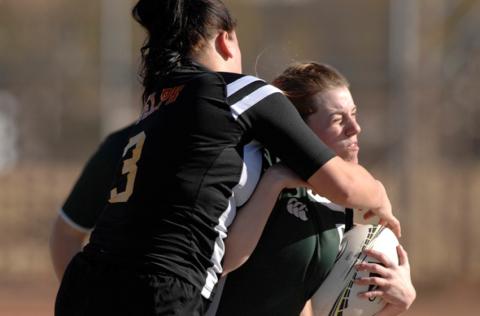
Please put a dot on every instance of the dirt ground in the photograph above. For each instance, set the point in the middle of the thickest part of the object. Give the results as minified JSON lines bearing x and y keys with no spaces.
{"x":21,"y":299}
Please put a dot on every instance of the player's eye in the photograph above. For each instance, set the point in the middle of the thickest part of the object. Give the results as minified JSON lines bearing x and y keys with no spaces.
{"x":336,"y":119}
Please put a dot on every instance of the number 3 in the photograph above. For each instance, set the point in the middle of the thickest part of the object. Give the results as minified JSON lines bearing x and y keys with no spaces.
{"x":129,"y":168}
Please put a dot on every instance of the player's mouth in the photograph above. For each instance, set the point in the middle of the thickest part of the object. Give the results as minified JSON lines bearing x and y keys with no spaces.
{"x":353,"y":146}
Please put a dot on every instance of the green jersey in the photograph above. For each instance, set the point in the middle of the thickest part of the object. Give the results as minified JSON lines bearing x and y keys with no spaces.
{"x":294,"y":255}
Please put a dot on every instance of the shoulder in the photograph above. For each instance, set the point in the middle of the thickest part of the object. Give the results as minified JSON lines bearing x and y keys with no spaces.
{"x":111,"y":148}
{"x":239,"y":86}
{"x":235,"y":79}
{"x":201,"y":84}
{"x":119,"y":137}
{"x":245,"y":92}
{"x":234,"y":86}
{"x":194,"y":78}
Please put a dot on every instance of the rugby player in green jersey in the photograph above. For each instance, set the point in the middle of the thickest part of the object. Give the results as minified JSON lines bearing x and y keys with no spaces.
{"x":302,"y":235}
{"x":301,"y":238}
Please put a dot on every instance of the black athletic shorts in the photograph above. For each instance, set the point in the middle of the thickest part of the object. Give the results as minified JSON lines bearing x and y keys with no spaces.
{"x":92,"y":287}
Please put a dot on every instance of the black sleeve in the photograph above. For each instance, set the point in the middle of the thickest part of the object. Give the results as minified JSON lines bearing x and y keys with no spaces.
{"x":92,"y":189}
{"x":277,"y":124}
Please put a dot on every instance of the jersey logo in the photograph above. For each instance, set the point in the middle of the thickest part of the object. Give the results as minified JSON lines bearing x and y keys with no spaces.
{"x":297,"y":209}
{"x":167,"y":96}
{"x":170,"y":95}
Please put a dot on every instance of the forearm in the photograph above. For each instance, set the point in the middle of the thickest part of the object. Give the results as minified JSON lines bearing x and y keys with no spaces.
{"x":307,"y":309}
{"x":249,"y":223}
{"x":348,"y":184}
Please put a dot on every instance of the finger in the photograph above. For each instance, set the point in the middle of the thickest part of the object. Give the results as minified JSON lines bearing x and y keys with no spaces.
{"x":371,"y":294}
{"x":368,"y":214}
{"x":373,"y":268}
{"x":381,"y":282}
{"x":381,"y":257}
{"x":394,"y":225}
{"x":402,"y":256}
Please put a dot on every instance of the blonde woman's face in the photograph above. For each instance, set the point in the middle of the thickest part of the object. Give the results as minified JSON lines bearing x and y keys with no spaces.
{"x":335,"y":122}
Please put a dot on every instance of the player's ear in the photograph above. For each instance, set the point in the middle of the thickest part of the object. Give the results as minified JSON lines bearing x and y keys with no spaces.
{"x":224,"y":45}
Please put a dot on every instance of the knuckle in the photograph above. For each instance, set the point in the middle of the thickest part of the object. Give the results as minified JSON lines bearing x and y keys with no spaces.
{"x":376,"y":281}
{"x":372,"y":294}
{"x":375,"y":267}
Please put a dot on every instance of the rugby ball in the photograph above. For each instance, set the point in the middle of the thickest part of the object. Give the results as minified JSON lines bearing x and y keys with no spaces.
{"x":338,"y":295}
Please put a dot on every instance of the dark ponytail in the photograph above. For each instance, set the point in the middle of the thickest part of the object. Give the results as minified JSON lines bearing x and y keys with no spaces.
{"x":176,"y":29}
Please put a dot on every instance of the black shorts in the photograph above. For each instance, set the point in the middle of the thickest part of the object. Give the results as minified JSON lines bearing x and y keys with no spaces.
{"x":91,"y":287}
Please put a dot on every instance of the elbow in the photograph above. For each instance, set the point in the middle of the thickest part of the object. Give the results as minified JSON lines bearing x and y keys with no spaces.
{"x":54,"y":237}
{"x":225,"y":272}
{"x":344,"y":192}
{"x":230,"y":265}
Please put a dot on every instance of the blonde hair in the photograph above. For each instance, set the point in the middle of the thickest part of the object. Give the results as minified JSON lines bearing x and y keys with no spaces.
{"x":301,"y":81}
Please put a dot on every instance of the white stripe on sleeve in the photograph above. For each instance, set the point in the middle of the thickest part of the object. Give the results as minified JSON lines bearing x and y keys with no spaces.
{"x":240,"y":83}
{"x":70,"y":222}
{"x":252,"y":99}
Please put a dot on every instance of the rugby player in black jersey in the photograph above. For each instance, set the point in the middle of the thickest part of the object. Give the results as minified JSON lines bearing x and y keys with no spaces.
{"x":192,"y":157}
{"x":319,"y":221}
{"x":301,"y":239}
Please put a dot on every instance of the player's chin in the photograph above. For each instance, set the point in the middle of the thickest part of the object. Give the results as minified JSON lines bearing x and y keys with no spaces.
{"x":350,"y":155}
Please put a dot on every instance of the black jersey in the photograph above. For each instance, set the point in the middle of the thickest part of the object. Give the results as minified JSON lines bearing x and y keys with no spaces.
{"x":92,"y":189}
{"x":193,"y":156}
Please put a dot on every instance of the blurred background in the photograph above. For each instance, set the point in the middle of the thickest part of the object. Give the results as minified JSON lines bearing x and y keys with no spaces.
{"x":68,"y":77}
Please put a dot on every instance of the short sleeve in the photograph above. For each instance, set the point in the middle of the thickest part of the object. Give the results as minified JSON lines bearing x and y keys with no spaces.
{"x":91,"y":191}
{"x":276,"y":123}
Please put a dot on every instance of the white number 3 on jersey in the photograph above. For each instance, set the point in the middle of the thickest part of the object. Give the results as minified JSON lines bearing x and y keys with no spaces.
{"x":129,"y":168}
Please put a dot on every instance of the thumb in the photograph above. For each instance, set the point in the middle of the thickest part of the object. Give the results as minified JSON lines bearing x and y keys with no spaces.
{"x":402,"y":256}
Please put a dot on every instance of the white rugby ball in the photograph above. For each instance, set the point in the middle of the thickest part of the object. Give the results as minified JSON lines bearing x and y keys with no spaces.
{"x":338,"y":295}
